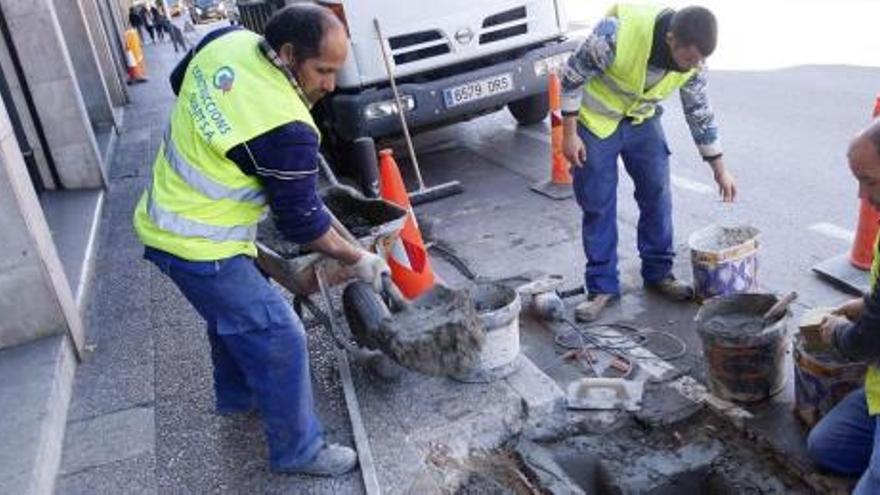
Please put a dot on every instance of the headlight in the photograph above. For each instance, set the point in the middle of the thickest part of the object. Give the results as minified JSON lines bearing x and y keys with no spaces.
{"x":551,"y":64}
{"x":387,"y":108}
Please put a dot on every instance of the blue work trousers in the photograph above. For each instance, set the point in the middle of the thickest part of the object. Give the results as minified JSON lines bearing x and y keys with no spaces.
{"x":646,"y":159}
{"x":258,"y":348}
{"x":847,"y":441}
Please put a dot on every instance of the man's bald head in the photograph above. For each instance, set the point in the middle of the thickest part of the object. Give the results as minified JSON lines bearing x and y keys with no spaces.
{"x":864,"y":162}
{"x":303,"y":25}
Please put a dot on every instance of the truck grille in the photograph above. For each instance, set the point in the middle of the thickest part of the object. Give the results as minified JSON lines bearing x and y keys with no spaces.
{"x":411,"y":47}
{"x":503,"y":25}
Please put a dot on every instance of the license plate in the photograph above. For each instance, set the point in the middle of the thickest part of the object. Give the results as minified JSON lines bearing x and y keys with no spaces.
{"x":477,"y":90}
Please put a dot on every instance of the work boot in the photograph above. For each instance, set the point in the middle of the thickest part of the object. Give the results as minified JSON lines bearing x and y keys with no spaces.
{"x":671,"y":289}
{"x":590,"y":309}
{"x":331,"y":460}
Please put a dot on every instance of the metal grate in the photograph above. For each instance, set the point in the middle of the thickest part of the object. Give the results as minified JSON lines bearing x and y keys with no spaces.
{"x":255,"y":14}
{"x":504,"y":25}
{"x":412,"y":47}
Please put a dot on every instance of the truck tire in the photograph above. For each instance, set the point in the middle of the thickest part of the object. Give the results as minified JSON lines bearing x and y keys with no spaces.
{"x":531,"y":109}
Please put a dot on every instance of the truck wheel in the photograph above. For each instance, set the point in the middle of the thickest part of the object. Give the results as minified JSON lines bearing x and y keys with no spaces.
{"x":531,"y":109}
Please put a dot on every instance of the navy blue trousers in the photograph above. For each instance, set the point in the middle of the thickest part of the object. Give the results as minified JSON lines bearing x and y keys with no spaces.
{"x":645,"y":156}
{"x":258,"y":348}
{"x":847,"y":441}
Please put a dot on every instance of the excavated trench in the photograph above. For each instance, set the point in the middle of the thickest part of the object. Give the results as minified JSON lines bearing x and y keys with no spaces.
{"x":699,"y":455}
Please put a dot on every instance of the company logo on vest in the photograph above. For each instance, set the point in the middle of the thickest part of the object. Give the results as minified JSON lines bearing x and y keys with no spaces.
{"x":223,"y":79}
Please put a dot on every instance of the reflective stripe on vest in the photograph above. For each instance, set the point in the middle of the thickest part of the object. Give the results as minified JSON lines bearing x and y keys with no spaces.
{"x":620,"y":90}
{"x":872,"y":377}
{"x":179,"y":225}
{"x":199,"y":204}
{"x":204,"y":184}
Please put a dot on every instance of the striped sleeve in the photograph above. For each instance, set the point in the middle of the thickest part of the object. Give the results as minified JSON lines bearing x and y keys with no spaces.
{"x":286,"y":161}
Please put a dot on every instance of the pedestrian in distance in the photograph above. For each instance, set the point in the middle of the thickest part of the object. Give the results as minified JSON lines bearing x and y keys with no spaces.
{"x":177,"y":37}
{"x":241,"y":139}
{"x":612,"y":86}
{"x":847,"y":439}
{"x":159,"y":21}
{"x":149,"y":24}
{"x":136,"y":21}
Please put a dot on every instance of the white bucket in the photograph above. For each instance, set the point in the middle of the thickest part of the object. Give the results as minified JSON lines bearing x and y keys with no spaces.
{"x":498,"y":307}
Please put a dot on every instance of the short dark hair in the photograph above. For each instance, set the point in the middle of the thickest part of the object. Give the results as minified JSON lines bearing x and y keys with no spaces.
{"x":695,"y":26}
{"x":303,"y":25}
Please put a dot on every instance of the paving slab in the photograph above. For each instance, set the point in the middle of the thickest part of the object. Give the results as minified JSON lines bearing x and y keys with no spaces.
{"x":108,"y":438}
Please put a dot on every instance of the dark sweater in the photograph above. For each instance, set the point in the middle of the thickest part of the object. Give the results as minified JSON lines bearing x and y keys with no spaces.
{"x":278,"y":157}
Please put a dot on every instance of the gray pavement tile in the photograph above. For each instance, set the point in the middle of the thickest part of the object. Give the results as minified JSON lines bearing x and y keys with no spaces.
{"x":108,"y":438}
{"x":99,"y":390}
{"x":195,"y":369}
{"x":121,"y":285}
{"x":135,"y":475}
{"x":181,"y":340}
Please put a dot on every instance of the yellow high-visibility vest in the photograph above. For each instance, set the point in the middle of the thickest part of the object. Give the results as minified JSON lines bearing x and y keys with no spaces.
{"x":199,"y":205}
{"x":620,"y":92}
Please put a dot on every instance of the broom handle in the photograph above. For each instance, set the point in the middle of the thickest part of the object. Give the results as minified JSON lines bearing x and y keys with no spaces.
{"x":400,"y":110}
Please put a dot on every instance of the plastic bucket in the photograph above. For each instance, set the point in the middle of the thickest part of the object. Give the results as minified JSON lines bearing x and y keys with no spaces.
{"x":498,"y":307}
{"x":745,"y":361}
{"x":821,"y":380}
{"x":724,"y":260}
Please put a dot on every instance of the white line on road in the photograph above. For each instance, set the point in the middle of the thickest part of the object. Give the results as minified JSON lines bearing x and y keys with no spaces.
{"x":833,"y":231}
{"x":691,"y":185}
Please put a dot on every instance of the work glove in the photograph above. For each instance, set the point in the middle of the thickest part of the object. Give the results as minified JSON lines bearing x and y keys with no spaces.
{"x":851,"y":310}
{"x":370,"y":268}
{"x":830,"y":325}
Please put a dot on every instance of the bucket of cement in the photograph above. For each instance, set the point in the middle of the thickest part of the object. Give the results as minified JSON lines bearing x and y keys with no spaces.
{"x":744,"y":359}
{"x":724,"y":260}
{"x":822,"y":378}
{"x":498,"y":307}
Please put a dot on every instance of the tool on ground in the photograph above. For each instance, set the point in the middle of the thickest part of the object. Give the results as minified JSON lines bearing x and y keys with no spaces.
{"x":605,"y":394}
{"x":547,"y":298}
{"x":778,"y":309}
{"x":423,"y":194}
{"x":362,"y":442}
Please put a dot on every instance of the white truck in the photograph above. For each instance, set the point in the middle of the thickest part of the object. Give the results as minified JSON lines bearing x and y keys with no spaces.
{"x":452,"y":60}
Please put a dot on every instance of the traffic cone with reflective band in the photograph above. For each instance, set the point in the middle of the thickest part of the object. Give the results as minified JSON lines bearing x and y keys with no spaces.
{"x":407,"y":256}
{"x":559,"y":185}
{"x":134,"y":58}
{"x":862,"y":255}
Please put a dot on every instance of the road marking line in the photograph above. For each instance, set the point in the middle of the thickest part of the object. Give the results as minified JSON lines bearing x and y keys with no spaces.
{"x":833,"y":231}
{"x":691,"y":185}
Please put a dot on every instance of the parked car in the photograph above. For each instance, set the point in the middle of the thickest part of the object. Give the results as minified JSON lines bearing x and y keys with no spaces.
{"x":453,"y":60}
{"x":205,"y":10}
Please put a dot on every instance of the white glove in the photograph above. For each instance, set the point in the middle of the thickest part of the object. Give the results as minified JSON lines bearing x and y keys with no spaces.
{"x":370,"y":268}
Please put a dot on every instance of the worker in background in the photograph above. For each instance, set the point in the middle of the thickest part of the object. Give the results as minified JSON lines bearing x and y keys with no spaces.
{"x":240,"y":137}
{"x":846,"y":439}
{"x":634,"y":58}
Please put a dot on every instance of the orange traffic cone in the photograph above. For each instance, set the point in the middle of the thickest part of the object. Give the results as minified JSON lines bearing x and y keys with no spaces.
{"x":134,"y":58}
{"x":559,"y":185}
{"x":862,"y":255}
{"x":407,"y":256}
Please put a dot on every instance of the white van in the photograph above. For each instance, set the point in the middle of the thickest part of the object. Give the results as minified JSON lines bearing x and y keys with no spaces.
{"x":452,"y":60}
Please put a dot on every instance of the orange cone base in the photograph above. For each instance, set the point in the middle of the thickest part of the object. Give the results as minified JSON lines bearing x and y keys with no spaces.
{"x":553,"y":190}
